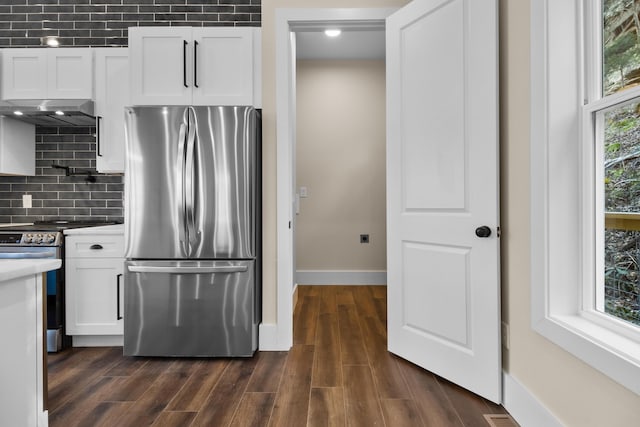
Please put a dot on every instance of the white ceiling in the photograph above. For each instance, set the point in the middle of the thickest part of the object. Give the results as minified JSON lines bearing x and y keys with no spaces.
{"x":354,"y":44}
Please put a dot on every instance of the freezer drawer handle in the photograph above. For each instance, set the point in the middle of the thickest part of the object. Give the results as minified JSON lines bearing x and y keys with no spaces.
{"x":95,"y":247}
{"x":187,"y":270}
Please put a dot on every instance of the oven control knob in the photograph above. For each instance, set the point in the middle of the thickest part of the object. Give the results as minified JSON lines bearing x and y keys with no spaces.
{"x":50,"y":238}
{"x":28,"y":238}
{"x":38,"y":238}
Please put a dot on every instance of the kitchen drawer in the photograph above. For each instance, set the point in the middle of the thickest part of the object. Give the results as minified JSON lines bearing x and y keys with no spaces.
{"x":99,"y":246}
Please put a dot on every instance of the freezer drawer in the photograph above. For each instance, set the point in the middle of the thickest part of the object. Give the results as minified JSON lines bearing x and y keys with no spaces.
{"x":190,"y":308}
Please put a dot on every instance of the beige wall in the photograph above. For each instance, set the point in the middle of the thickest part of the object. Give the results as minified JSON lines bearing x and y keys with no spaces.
{"x":340,"y":153}
{"x":576,"y":394}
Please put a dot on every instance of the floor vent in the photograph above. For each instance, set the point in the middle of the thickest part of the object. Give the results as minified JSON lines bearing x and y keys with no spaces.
{"x":500,"y":420}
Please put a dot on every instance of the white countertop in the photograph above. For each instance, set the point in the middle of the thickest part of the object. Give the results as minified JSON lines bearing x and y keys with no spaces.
{"x":103,"y":229}
{"x":14,"y":268}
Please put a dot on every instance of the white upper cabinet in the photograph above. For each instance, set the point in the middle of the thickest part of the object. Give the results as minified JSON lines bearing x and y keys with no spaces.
{"x":17,"y":147}
{"x":24,"y":73}
{"x":159,"y":61}
{"x":199,"y":66}
{"x":60,"y":73}
{"x":112,"y":95}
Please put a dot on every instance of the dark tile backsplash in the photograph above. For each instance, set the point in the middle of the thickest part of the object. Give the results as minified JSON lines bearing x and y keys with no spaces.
{"x":89,"y":23}
{"x":55,"y":195}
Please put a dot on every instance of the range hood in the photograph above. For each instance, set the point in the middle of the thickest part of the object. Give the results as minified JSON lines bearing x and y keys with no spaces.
{"x":51,"y":112}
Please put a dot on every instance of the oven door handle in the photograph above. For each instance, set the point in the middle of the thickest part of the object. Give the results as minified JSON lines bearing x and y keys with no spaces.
{"x":28,"y":255}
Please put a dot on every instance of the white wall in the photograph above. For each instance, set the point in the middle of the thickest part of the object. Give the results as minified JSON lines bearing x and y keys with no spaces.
{"x":340,"y":150}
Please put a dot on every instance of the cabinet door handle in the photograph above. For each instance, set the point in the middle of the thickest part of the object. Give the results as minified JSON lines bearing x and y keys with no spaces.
{"x":195,"y":64}
{"x":119,"y":316}
{"x":98,"y":119}
{"x":96,"y":247}
{"x":184,"y":63}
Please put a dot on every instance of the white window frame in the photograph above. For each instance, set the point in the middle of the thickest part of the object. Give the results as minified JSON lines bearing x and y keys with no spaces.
{"x":562,"y":230}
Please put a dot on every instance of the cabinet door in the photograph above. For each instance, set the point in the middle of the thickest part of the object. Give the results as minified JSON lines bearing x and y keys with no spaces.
{"x":223,"y":66}
{"x":112,"y":95}
{"x":70,"y":73}
{"x":17,"y":147}
{"x":94,"y":296}
{"x":161,"y":65}
{"x":24,"y":73}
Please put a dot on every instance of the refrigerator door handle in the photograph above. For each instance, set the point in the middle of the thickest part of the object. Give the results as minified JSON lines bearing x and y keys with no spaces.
{"x":182,"y":215}
{"x":190,"y":182}
{"x":187,"y":270}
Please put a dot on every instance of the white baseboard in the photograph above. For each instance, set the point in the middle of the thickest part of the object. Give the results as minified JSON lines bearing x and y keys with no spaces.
{"x":524,"y":407}
{"x":341,"y":277}
{"x":268,"y":337}
{"x":97,"y":340}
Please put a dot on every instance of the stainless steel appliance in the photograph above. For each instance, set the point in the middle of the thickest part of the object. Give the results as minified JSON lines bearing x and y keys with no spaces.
{"x":51,"y":112}
{"x":41,"y":244}
{"x":192,"y":227}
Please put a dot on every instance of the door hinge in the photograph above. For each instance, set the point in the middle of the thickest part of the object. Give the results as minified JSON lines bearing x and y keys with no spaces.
{"x":289,"y":225}
{"x":498,"y":232}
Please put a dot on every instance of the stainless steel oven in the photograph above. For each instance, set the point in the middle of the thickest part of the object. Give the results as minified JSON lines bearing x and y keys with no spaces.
{"x":41,"y":244}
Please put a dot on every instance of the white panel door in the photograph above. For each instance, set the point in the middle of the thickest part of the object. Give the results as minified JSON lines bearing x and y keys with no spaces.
{"x":223,"y":66}
{"x":161,"y":65}
{"x":442,"y":185}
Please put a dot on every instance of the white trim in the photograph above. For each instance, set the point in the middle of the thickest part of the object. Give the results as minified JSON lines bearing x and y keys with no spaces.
{"x":43,"y":419}
{"x":557,"y":219}
{"x":285,"y":133}
{"x":523,"y":406}
{"x":268,"y":338}
{"x":97,"y":340}
{"x":341,"y":277}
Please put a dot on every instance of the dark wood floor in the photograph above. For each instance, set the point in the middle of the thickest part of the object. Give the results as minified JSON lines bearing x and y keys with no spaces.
{"x":338,"y":373}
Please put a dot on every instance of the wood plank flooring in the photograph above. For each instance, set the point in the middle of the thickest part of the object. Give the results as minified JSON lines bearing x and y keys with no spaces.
{"x":338,"y":373}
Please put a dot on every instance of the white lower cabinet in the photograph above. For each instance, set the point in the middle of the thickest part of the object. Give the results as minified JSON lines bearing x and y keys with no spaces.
{"x":94,"y":291}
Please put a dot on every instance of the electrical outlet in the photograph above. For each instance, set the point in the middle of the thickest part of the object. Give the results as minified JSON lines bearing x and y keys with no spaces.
{"x":505,"y":335}
{"x":27,"y":201}
{"x":364,"y":238}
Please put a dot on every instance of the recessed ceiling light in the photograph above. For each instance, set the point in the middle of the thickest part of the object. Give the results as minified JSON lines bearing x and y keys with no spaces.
{"x":332,"y":32}
{"x":17,"y":113}
{"x":60,"y":113}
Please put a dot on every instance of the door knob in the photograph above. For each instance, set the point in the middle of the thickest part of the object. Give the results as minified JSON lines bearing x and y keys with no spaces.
{"x":483,"y":231}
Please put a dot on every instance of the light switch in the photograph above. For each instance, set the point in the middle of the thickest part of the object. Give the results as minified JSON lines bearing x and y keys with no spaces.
{"x":303,"y":192}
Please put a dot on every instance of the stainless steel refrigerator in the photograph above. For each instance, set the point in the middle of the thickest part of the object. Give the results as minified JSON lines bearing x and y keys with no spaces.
{"x":192,"y":231}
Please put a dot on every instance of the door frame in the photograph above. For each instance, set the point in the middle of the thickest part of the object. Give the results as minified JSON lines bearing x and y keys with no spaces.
{"x":288,"y":21}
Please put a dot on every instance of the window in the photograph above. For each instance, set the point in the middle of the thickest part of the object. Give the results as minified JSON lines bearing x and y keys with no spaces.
{"x":612,"y":139}
{"x":585,"y":180}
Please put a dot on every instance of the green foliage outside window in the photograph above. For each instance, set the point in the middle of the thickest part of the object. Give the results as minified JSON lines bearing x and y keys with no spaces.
{"x":621,"y":70}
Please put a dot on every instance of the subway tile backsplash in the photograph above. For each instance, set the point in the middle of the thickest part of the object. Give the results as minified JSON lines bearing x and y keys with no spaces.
{"x":55,"y":195}
{"x":89,"y":23}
